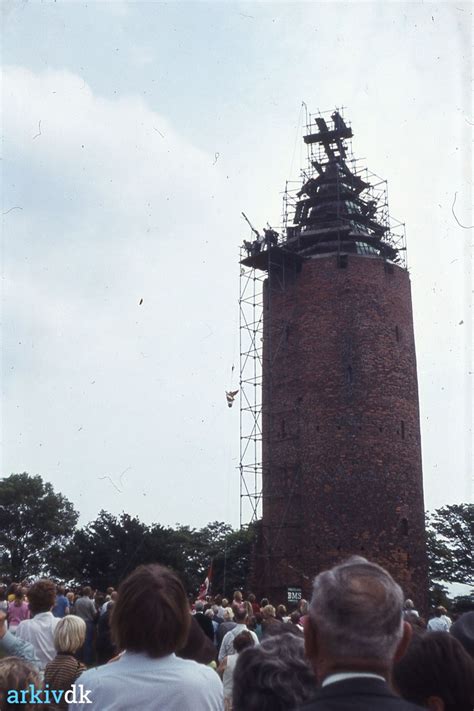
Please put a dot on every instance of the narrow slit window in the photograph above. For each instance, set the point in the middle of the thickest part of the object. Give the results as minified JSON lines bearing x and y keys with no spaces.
{"x":402,"y":429}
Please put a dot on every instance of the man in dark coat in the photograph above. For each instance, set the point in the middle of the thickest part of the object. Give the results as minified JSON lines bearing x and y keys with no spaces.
{"x":355,"y":632}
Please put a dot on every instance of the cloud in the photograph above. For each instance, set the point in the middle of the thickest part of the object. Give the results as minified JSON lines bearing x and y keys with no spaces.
{"x":116,"y":207}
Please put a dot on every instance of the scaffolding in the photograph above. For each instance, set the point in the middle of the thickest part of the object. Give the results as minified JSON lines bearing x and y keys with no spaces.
{"x":251,"y":359}
{"x":338,"y":204}
{"x":337,"y":207}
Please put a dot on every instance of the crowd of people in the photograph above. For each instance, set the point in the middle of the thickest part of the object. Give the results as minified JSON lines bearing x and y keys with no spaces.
{"x":355,"y":645}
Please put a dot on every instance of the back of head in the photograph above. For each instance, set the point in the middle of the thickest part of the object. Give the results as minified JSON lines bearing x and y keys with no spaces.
{"x":357,"y":610}
{"x":242,"y":641}
{"x":157,"y":593}
{"x":436,"y":665}
{"x":86,"y":591}
{"x":268,"y":611}
{"x":199,"y":606}
{"x":42,"y":596}
{"x":228,"y":614}
{"x":240,"y":614}
{"x":69,"y":634}
{"x":463,"y":630}
{"x":273,"y":676}
{"x":17,"y":675}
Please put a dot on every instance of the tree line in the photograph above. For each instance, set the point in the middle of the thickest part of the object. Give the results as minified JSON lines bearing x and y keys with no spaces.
{"x":39,"y":536}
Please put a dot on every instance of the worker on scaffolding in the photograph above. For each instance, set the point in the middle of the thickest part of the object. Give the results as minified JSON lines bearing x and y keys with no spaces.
{"x":270,"y":237}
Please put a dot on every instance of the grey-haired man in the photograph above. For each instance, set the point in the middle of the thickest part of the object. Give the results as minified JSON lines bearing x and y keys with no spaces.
{"x":354,"y":633}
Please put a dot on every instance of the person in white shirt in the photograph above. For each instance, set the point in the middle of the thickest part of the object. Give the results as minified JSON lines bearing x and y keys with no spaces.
{"x":150,"y":623}
{"x":440,"y":622}
{"x":39,"y":631}
{"x":227,"y":646}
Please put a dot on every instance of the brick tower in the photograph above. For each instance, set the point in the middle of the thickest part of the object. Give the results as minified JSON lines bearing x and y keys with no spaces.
{"x":340,"y":453}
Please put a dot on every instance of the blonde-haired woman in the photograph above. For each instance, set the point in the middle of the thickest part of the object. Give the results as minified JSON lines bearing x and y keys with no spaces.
{"x":63,"y":671}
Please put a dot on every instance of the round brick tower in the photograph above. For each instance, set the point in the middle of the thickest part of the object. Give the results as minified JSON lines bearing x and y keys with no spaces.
{"x":341,"y":452}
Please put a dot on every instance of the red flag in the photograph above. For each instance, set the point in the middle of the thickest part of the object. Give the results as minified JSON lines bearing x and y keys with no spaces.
{"x":205,"y":586}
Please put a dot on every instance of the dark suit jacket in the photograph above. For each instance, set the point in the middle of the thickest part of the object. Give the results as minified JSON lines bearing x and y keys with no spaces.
{"x":358,"y":695}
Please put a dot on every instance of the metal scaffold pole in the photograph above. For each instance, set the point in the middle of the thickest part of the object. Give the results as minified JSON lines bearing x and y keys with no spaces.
{"x":251,"y":344}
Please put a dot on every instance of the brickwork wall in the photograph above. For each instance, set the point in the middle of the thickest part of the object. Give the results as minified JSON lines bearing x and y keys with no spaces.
{"x":341,"y":452}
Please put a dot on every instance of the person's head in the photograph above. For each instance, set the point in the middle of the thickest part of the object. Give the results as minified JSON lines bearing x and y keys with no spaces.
{"x":60,"y":589}
{"x":281,"y":611}
{"x":409,"y":605}
{"x":159,"y":595}
{"x":69,"y":634}
{"x":463,"y":631}
{"x":209,"y":613}
{"x":19,"y":596}
{"x":237,"y":597}
{"x":17,"y":675}
{"x":86,"y":591}
{"x":240,"y":614}
{"x":263,"y":602}
{"x":273,"y":676}
{"x":42,"y":596}
{"x":70,"y":597}
{"x":114,"y":596}
{"x":199,"y":606}
{"x":12,"y":588}
{"x":251,"y":598}
{"x":228,"y":614}
{"x":242,"y":641}
{"x":436,"y":672}
{"x":110,"y":590}
{"x":295,"y":618}
{"x":225,"y":602}
{"x":268,"y":612}
{"x":355,"y":619}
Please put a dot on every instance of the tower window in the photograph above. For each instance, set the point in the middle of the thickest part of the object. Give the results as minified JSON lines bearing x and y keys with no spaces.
{"x":349,"y":374}
{"x":404,"y":527}
{"x":342,"y":261}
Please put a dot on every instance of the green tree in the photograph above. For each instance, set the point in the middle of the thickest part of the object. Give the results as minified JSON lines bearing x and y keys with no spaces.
{"x":110,"y":547}
{"x":35,"y":524}
{"x":104,"y":551}
{"x":450,"y":539}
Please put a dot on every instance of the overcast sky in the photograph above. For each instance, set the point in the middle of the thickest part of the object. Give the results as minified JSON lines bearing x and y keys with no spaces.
{"x":133,"y":136}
